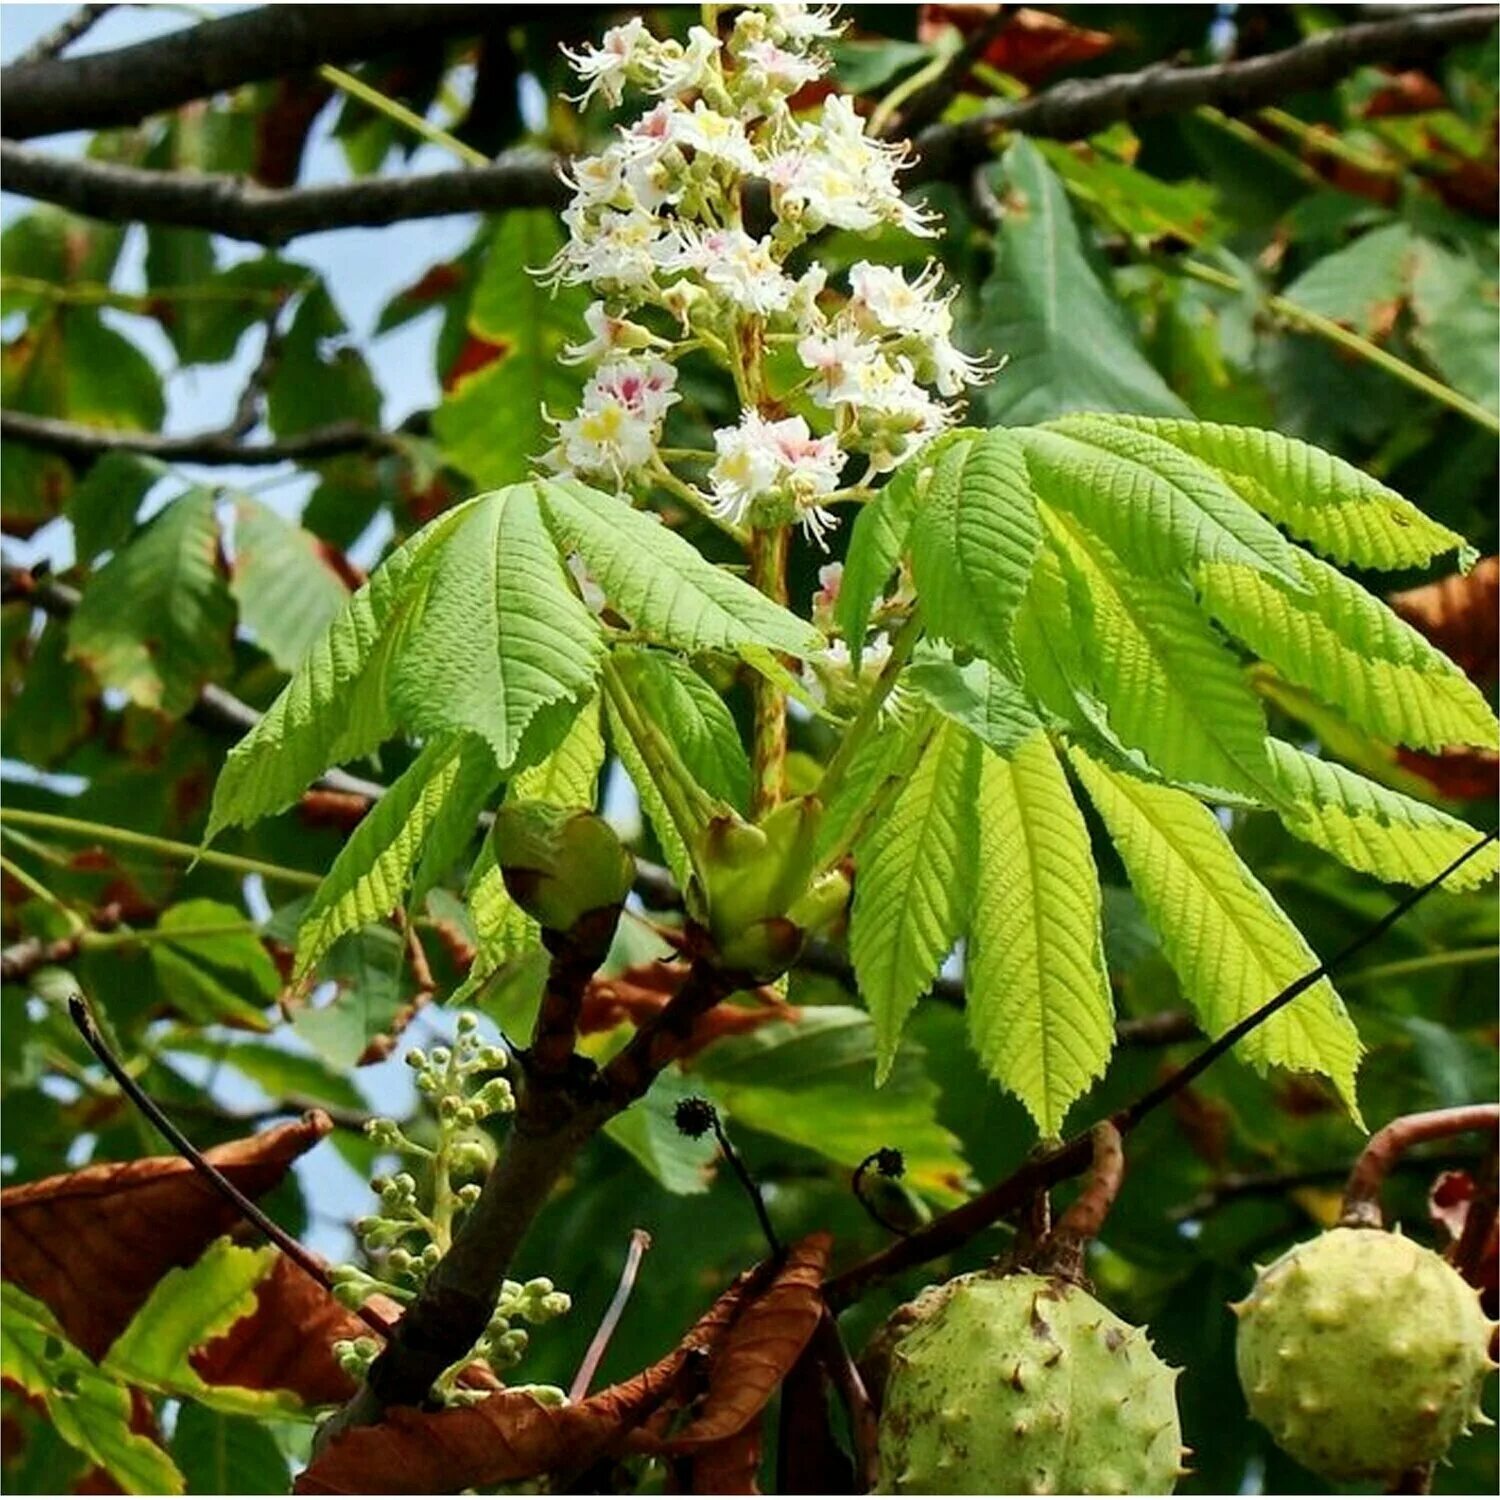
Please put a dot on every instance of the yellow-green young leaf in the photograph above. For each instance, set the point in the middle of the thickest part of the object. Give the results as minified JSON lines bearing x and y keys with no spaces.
{"x":1158,"y":509}
{"x":187,"y":1309}
{"x":1344,"y":645}
{"x":879,"y":761}
{"x":662,"y":583}
{"x":979,"y":696}
{"x":973,"y":541}
{"x":336,"y":707}
{"x":913,"y":873}
{"x":1039,"y":1008}
{"x":568,"y":777}
{"x":90,"y":1410}
{"x":1322,"y":500}
{"x":1370,"y":827}
{"x":654,"y":806}
{"x":877,"y":540}
{"x":156,"y":620}
{"x":1232,"y":947}
{"x":287,"y":593}
{"x":501,"y":633}
{"x":687,"y":710}
{"x":1166,"y":686}
{"x":433,"y":804}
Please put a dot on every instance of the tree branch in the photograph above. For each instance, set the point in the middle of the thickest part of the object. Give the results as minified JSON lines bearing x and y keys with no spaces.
{"x":57,"y":41}
{"x":243,"y":210}
{"x":1067,"y":111}
{"x":1081,"y":107}
{"x":221,"y":446}
{"x":1385,"y":1148}
{"x":123,"y":86}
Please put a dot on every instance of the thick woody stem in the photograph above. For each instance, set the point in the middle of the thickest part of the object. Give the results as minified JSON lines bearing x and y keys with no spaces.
{"x":575,"y":957}
{"x":1385,"y":1147}
{"x":768,"y":554}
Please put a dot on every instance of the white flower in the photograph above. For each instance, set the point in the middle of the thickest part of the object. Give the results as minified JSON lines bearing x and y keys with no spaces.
{"x":768,"y":66}
{"x":841,"y":140}
{"x":610,"y":335}
{"x":714,"y":136}
{"x":801,"y":23}
{"x":595,"y":180}
{"x":838,"y":360}
{"x":760,"y":458}
{"x":683,"y":70}
{"x":619,"y":418}
{"x":607,"y":68}
{"x":883,"y":300}
{"x":744,"y":269}
{"x":619,"y":251}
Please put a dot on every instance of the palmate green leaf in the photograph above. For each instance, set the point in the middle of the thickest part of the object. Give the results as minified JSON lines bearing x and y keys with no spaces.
{"x":973,"y":540}
{"x":692,"y":715}
{"x":1453,"y":302}
{"x":287,"y":593}
{"x":1332,"y":506}
{"x":221,"y":975}
{"x":227,"y":1455}
{"x":431,"y":805}
{"x":1167,"y":689}
{"x":568,"y":777}
{"x":648,"y":1132}
{"x":880,"y":762}
{"x":1352,"y":651}
{"x":494,"y":423}
{"x":808,"y":1082}
{"x":187,"y":1309}
{"x":336,"y":707}
{"x":1370,"y":827}
{"x":661,"y":583}
{"x":1039,"y":1009}
{"x":155,"y":622}
{"x":89,"y":1410}
{"x":501,"y":633}
{"x":914,"y":869}
{"x":1068,"y":345}
{"x":980,"y":697}
{"x":1232,"y":947}
{"x":1158,"y":509}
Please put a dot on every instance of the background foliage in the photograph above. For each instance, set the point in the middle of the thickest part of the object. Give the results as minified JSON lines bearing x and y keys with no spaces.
{"x":1239,"y":269}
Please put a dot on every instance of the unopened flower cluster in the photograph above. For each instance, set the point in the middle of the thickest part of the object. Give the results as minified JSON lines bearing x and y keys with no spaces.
{"x":665,"y":226}
{"x":414,"y":1226}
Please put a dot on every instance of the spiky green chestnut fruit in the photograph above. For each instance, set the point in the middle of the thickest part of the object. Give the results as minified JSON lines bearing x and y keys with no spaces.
{"x":1363,"y":1354}
{"x":1026,"y":1385}
{"x":559,"y":864}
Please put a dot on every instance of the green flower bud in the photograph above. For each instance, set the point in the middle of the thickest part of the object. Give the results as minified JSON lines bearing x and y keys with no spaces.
{"x":468,"y":1195}
{"x":416,"y":1058}
{"x":560,"y":865}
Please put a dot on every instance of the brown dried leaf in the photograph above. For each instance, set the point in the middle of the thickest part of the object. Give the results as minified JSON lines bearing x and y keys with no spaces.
{"x":810,"y":1460}
{"x":512,"y":1437}
{"x":1460,"y":615}
{"x":639,"y":993}
{"x":760,"y":1348}
{"x":1452,"y":1195}
{"x":1031,"y":46}
{"x":286,"y":1344}
{"x":92,"y":1244}
{"x":730,"y":1467}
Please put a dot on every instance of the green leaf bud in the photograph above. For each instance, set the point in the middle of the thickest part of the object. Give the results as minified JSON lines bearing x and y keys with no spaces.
{"x":559,"y":865}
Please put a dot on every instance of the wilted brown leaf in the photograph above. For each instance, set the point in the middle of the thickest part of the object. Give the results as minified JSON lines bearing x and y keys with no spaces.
{"x":1460,"y":615}
{"x":1031,"y":45}
{"x":763,"y":1344}
{"x":92,"y":1244}
{"x":1453,"y":1193}
{"x":640,"y":992}
{"x":286,"y":1344}
{"x":512,"y":1437}
{"x":730,"y":1467}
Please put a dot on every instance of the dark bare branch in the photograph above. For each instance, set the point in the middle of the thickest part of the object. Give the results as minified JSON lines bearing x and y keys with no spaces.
{"x":220,"y":447}
{"x":125,"y":85}
{"x":1067,"y":111}
{"x":243,"y":210}
{"x":57,"y":41}
{"x":1080,"y":107}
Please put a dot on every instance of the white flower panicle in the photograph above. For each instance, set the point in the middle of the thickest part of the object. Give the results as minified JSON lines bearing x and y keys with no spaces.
{"x":666,"y":228}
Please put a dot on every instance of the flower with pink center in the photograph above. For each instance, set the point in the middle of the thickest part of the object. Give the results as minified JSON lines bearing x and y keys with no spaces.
{"x":760,"y":458}
{"x":605,"y":69}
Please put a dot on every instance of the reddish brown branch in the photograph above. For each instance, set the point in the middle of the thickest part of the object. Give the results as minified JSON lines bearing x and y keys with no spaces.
{"x":1068,"y":1243}
{"x":858,"y":1407}
{"x":1386,"y":1146}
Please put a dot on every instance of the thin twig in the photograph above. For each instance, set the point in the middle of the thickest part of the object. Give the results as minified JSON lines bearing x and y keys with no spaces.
{"x":290,"y":1247}
{"x":888,"y":1163}
{"x":1385,"y":1147}
{"x":959,"y":1225}
{"x":640,"y":1243}
{"x":1068,"y":1243}
{"x":751,"y":1187}
{"x":57,"y":41}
